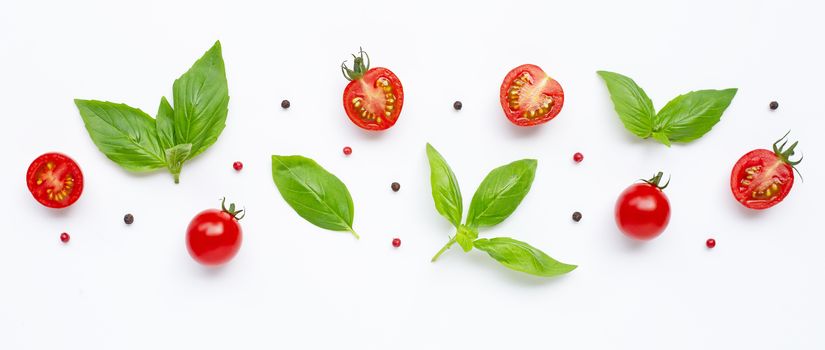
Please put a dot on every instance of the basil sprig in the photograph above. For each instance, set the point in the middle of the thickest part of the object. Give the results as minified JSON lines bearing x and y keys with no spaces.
{"x":314,"y":193}
{"x":140,"y":143}
{"x":685,"y":118}
{"x":496,"y":198}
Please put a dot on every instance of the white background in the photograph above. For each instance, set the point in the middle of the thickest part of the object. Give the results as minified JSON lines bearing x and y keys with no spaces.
{"x":296,"y":286}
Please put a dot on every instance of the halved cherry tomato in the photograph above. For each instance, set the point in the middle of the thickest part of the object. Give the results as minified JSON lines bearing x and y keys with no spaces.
{"x":642,"y":210}
{"x":55,"y":180}
{"x":530,"y":97}
{"x":374,"y":96}
{"x":763,"y":178}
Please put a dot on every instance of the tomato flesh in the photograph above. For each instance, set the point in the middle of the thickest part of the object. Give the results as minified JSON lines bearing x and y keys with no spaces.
{"x":642,"y":211}
{"x":374,"y":101}
{"x":55,"y":180}
{"x":530,"y":97}
{"x":760,"y":179}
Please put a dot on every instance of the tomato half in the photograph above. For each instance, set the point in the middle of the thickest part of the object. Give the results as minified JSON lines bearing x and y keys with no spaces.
{"x":642,"y":210}
{"x":530,"y":97}
{"x":55,"y":180}
{"x":374,"y":96}
{"x":763,"y":178}
{"x":214,"y":236}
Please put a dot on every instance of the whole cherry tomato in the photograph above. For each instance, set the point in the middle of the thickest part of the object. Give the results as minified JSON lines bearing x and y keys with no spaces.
{"x":642,"y":210}
{"x":214,"y":236}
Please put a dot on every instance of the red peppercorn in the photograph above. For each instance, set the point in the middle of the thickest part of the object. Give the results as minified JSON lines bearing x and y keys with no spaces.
{"x":578,"y":157}
{"x":710,"y":243}
{"x":237,"y":165}
{"x":347,"y":150}
{"x":64,"y":237}
{"x":396,"y":242}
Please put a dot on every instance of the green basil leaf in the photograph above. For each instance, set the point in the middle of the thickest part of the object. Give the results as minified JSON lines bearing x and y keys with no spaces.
{"x":124,"y":134}
{"x":465,"y":237}
{"x":501,"y":192}
{"x":445,"y":190}
{"x":661,"y":137}
{"x":166,"y":124}
{"x":687,"y":117}
{"x":635,"y":109}
{"x":201,"y":98}
{"x":520,"y":256}
{"x":314,"y":193}
{"x":175,"y":156}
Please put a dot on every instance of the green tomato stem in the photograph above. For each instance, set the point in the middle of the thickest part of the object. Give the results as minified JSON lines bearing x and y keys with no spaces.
{"x":443,"y":249}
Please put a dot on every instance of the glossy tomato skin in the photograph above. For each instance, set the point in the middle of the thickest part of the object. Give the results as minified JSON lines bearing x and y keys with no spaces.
{"x":213,"y":237}
{"x":760,"y":179}
{"x":642,"y":211}
{"x":374,"y":101}
{"x":55,"y":180}
{"x":529,"y":96}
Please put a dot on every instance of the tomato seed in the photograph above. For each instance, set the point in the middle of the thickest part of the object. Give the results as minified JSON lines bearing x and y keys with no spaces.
{"x":285,"y":104}
{"x":64,"y":237}
{"x":710,"y":243}
{"x":237,"y":165}
{"x":774,"y":105}
{"x":578,"y":157}
{"x":395,"y":186}
{"x":128,"y":219}
{"x":457,"y":105}
{"x":396,"y":242}
{"x":347,"y":150}
{"x":577,"y":216}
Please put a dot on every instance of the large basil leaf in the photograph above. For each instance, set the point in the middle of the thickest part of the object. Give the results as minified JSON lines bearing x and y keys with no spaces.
{"x":501,"y":192}
{"x":445,"y":190}
{"x":314,"y":193}
{"x":631,"y":103}
{"x":124,"y":134}
{"x":520,"y":256}
{"x":201,"y":98}
{"x":687,"y":117}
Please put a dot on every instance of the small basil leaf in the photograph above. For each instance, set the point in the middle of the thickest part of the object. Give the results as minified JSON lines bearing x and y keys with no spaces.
{"x":631,"y":103}
{"x":314,"y":193}
{"x":445,"y":190}
{"x":465,"y":237}
{"x":124,"y":134}
{"x":175,"y":157}
{"x":520,"y":256}
{"x":201,"y":98}
{"x":687,"y":117}
{"x":166,"y":124}
{"x":661,"y":137}
{"x":501,"y":192}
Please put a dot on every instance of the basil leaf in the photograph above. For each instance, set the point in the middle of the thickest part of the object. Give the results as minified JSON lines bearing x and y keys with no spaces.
{"x":175,"y":157}
{"x":520,"y":256}
{"x":687,"y":117}
{"x":165,"y":124}
{"x":635,"y":109}
{"x":465,"y":237}
{"x":314,"y":193}
{"x":501,"y":192}
{"x":201,"y":98}
{"x":124,"y":134}
{"x":661,"y":137}
{"x":445,"y":190}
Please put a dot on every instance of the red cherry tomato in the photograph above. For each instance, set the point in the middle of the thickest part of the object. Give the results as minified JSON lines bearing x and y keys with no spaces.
{"x":214,"y":236}
{"x":530,"y":97}
{"x":642,"y":210}
{"x":374,"y":96}
{"x":55,"y":180}
{"x":763,"y":178}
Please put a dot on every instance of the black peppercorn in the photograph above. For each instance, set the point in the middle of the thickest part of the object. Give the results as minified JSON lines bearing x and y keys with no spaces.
{"x":129,"y":219}
{"x":285,"y":104}
{"x":457,"y":105}
{"x":774,"y":105}
{"x":577,"y":216}
{"x":395,"y":186}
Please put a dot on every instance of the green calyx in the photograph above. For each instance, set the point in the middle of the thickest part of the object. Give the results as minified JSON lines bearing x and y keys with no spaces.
{"x":360,"y":65}
{"x":656,"y":179}
{"x":786,"y":154}
{"x":236,"y":214}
